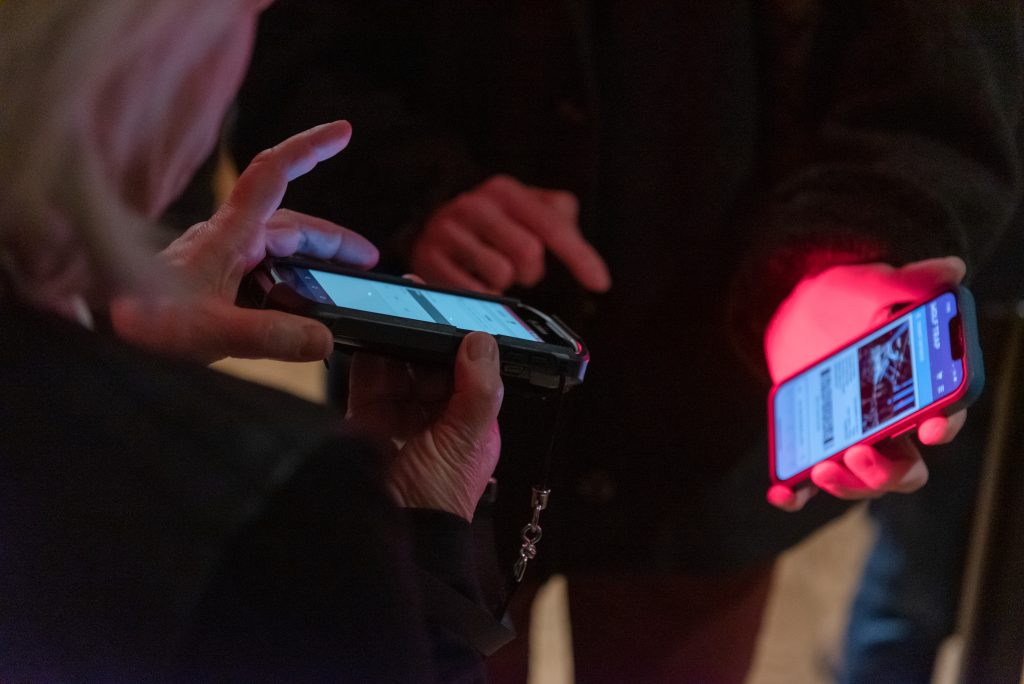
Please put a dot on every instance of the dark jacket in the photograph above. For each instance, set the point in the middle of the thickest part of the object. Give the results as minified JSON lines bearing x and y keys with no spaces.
{"x":721,"y":151}
{"x":160,"y":521}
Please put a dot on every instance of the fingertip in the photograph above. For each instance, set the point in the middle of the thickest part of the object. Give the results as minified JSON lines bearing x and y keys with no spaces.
{"x":481,"y":347}
{"x":957,"y":268}
{"x":933,"y":430}
{"x":941,"y":429}
{"x":781,"y":496}
{"x":829,"y":477}
{"x":326,"y":343}
{"x":528,"y":281}
{"x":477,"y":374}
{"x":371,"y":261}
{"x":360,"y":252}
{"x":869,"y":466}
{"x":316,"y":343}
{"x":790,"y":500}
{"x":564,"y":202}
{"x":331,"y":138}
{"x":600,"y":281}
{"x":923,"y":277}
{"x":595,"y":275}
{"x":341,"y":127}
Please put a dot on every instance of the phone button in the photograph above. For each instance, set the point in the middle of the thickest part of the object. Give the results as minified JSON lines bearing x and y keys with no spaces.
{"x":514,"y":370}
{"x":539,"y":361}
{"x":515,"y":357}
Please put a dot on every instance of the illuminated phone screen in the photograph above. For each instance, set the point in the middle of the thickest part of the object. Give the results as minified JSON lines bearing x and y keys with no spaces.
{"x":866,"y":387}
{"x":374,"y":296}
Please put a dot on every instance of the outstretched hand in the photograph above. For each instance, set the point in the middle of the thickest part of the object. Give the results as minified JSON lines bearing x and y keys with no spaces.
{"x":210,"y":259}
{"x":828,"y":310}
{"x":441,"y":427}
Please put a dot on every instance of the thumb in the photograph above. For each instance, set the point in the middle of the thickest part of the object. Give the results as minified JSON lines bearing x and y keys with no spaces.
{"x":478,"y":391}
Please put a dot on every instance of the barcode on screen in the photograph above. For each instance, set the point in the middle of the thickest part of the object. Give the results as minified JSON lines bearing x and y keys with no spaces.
{"x":827,"y":432}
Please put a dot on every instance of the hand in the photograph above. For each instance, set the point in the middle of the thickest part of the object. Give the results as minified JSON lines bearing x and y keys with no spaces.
{"x":821,"y":314}
{"x":210,"y":259}
{"x":442,"y":430}
{"x":497,"y":234}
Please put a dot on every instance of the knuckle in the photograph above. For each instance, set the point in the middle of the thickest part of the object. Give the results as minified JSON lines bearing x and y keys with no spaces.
{"x":262,"y":155}
{"x":269,"y":159}
{"x":267,"y":156}
{"x":467,"y":204}
{"x":438,"y":230}
{"x":448,"y":231}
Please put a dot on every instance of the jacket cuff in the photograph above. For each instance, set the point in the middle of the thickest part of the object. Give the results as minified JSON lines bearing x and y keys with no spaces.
{"x":442,"y":546}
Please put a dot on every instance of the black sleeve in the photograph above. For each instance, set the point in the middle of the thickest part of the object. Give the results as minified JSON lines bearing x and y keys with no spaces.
{"x":323,"y":585}
{"x":321,"y":60}
{"x":894,"y":138}
{"x":450,"y":582}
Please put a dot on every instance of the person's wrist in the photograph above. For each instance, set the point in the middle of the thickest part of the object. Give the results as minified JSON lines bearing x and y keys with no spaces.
{"x":431,"y":501}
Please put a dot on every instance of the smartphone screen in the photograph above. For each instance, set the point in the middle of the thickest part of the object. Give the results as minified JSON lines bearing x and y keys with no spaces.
{"x":411,"y":302}
{"x":901,"y":368}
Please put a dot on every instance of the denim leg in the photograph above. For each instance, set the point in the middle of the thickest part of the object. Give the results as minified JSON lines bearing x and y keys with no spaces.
{"x":907,"y":600}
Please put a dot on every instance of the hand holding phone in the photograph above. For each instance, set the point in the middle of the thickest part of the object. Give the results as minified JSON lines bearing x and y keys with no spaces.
{"x":201,"y":321}
{"x":438,"y":425}
{"x":842,"y":445}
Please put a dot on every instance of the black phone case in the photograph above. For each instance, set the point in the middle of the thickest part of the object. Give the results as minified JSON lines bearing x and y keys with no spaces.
{"x":543,"y":366}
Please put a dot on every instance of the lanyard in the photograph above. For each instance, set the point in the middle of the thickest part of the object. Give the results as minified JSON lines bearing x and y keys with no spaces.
{"x":532,"y":532}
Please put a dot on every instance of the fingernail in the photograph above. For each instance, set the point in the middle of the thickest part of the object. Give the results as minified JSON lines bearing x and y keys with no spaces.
{"x":931,"y":431}
{"x":481,"y":346}
{"x":867,"y":460}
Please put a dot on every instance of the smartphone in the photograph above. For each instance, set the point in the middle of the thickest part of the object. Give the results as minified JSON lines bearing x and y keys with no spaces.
{"x":925,"y":361}
{"x":400,"y":318}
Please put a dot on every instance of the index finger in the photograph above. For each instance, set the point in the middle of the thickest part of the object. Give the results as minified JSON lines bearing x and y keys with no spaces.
{"x":912,"y":281}
{"x":929,"y":274}
{"x":558,"y":232}
{"x":261,"y":187}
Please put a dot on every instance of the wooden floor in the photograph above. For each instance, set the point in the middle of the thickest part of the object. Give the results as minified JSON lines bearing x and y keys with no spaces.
{"x":799,"y":642}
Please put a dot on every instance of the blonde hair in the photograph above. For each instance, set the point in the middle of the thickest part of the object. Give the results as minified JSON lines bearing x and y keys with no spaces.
{"x":61,"y":215}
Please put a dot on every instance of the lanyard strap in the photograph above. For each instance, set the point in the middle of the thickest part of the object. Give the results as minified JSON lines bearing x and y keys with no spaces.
{"x":532,"y":532}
